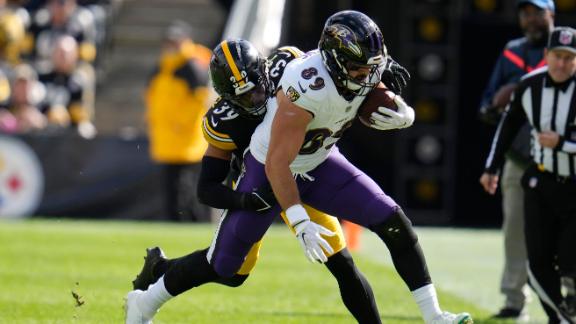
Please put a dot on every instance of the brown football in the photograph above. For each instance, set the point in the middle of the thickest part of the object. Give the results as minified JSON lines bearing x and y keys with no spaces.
{"x":378,"y":97}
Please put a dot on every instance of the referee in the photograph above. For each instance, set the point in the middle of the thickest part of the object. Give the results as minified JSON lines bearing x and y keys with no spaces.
{"x":546,"y":99}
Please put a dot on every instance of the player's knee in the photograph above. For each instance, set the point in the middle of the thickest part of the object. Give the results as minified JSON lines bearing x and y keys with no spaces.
{"x":396,"y":232}
{"x":341,"y":264}
{"x":226,"y":267}
{"x":235,"y":281}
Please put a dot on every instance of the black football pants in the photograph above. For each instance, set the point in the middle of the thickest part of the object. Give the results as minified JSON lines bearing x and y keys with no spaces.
{"x":550,"y":228}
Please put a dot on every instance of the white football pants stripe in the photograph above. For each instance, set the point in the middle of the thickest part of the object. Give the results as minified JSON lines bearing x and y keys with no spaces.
{"x":543,"y":295}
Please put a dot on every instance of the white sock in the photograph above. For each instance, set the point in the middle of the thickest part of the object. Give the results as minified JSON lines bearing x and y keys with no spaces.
{"x":427,"y":301}
{"x":153,"y":298}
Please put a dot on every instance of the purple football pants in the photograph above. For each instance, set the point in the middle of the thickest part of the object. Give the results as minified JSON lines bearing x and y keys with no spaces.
{"x":338,"y":188}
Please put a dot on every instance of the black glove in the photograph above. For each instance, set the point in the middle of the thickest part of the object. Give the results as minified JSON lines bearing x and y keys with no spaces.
{"x":395,"y":77}
{"x":259,"y":200}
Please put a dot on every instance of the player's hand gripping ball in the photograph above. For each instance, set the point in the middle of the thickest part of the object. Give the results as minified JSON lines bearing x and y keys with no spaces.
{"x":383,"y":109}
{"x":378,"y":97}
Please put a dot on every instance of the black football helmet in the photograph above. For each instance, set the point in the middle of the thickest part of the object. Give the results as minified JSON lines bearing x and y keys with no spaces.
{"x":239,"y":74}
{"x":351,"y":41}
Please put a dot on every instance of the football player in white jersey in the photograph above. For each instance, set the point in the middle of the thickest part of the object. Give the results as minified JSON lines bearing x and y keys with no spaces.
{"x":320,"y":96}
{"x":294,"y":151}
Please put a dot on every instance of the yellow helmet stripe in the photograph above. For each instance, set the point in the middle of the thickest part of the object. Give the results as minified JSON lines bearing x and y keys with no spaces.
{"x":231,"y":62}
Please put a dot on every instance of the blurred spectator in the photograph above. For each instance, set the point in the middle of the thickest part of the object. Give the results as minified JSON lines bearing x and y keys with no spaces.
{"x":69,"y":91}
{"x":8,"y":123}
{"x":13,"y":24}
{"x":27,"y":93}
{"x":93,"y":17}
{"x":21,"y":110}
{"x":176,"y":102}
{"x":60,"y":18}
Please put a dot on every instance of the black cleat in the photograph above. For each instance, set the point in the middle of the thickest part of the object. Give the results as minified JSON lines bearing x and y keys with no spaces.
{"x":146,"y":276}
{"x":508,"y":313}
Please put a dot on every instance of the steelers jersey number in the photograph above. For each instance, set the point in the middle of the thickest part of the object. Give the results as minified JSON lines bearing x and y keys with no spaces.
{"x":224,"y":112}
{"x":278,"y":61}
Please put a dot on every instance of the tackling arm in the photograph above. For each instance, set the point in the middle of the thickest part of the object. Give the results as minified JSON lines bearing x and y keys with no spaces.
{"x":212,"y":191}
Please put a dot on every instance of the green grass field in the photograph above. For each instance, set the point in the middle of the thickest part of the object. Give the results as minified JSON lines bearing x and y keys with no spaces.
{"x":43,"y":261}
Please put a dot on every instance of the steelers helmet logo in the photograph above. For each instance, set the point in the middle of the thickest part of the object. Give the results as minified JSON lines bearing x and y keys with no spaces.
{"x":21,"y":179}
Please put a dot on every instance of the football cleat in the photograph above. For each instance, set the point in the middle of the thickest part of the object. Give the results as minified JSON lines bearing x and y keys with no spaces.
{"x":511,"y":313}
{"x":132,"y":313}
{"x":146,"y":276}
{"x":449,"y":318}
{"x":568,"y":308}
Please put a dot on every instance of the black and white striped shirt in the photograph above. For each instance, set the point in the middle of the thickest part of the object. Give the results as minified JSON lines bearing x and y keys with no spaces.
{"x":548,"y":106}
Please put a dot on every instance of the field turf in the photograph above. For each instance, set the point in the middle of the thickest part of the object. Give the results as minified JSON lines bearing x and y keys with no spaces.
{"x":43,"y":263}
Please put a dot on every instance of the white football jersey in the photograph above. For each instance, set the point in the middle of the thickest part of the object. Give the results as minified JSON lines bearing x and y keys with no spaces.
{"x":307,"y":84}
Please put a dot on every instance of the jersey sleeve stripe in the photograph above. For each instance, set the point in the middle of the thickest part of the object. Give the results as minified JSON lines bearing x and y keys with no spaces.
{"x":219,"y":140}
{"x":231,"y":62}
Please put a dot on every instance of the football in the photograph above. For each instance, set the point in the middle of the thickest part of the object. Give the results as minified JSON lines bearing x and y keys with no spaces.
{"x":378,"y":97}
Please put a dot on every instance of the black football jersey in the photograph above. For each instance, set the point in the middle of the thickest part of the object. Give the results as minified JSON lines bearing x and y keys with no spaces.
{"x":224,"y":128}
{"x":278,"y":60}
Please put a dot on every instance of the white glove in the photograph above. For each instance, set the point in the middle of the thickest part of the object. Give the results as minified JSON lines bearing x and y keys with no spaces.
{"x":309,"y":234}
{"x":386,"y":118}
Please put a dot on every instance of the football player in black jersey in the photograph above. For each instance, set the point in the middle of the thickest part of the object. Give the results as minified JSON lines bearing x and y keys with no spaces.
{"x":228,"y":127}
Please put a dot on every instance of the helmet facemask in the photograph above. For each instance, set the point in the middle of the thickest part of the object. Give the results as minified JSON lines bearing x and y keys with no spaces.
{"x":252,"y":99}
{"x":353,"y":51}
{"x":357,"y":77}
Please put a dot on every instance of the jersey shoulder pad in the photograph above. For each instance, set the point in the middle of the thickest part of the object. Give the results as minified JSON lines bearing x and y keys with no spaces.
{"x":278,"y":60}
{"x":305,"y":83}
{"x":218,"y":122}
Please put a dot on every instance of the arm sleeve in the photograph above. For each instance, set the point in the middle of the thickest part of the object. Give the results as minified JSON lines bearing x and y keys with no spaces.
{"x":510,"y":123}
{"x":496,"y":80}
{"x":211,"y":190}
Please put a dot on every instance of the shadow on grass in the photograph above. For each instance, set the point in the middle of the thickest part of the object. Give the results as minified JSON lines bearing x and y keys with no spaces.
{"x":489,"y":320}
{"x":311,"y":315}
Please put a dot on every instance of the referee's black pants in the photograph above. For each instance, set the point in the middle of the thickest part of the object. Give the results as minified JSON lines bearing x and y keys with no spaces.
{"x":550,"y":228}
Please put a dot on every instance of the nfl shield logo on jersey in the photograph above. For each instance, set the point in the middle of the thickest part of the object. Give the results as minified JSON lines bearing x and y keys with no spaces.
{"x":21,"y":179}
{"x":292,"y":94}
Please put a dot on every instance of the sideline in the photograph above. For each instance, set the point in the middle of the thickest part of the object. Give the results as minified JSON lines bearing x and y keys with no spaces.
{"x":465,"y":262}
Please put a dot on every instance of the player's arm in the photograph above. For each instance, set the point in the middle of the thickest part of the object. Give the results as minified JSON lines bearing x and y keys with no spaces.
{"x":211,"y":190}
{"x":288,"y":132}
{"x":214,"y":193}
{"x":510,"y":123}
{"x":489,"y":113}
